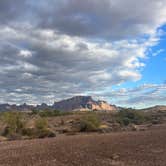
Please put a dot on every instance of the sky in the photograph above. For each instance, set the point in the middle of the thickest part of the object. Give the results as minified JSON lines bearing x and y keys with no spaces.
{"x":113,"y":50}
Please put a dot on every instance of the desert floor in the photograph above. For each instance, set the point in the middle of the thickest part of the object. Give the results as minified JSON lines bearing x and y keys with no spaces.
{"x":140,"y":148}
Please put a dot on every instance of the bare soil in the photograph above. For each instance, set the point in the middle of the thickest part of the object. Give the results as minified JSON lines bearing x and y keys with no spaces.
{"x":141,"y":148}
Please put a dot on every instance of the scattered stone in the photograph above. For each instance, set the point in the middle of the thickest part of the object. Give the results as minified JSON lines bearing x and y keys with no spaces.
{"x":115,"y":157}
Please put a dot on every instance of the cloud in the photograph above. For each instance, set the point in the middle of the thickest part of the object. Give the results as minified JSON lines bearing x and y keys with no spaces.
{"x":12,"y":10}
{"x":104,"y":19}
{"x":107,"y":19}
{"x":140,"y":97}
{"x":25,"y":53}
{"x":54,"y":64}
{"x":55,"y":49}
{"x":158,"y":52}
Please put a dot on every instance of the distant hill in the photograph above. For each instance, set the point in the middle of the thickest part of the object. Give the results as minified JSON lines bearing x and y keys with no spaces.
{"x":24,"y":107}
{"x":156,"y":108}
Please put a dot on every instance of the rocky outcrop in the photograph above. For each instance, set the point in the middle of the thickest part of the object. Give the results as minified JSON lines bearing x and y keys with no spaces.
{"x":102,"y":105}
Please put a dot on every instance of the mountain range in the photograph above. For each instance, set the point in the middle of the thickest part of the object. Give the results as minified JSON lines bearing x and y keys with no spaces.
{"x":77,"y":103}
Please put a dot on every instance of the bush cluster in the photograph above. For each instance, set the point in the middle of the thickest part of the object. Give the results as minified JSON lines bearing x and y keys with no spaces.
{"x":15,"y":127}
{"x":40,"y":129}
{"x":129,"y":116}
{"x":50,"y":113}
{"x":15,"y":124}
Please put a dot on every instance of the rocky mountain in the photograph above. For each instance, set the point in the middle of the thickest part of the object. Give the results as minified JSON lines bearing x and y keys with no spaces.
{"x":83,"y":103}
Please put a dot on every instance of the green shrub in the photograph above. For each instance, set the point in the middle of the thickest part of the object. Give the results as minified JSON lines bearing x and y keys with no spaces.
{"x":38,"y":133}
{"x":14,"y":123}
{"x":15,"y":127}
{"x":49,"y":113}
{"x":34,"y":112}
{"x":30,"y":132}
{"x":125,"y":117}
{"x":41,"y":124}
{"x":41,"y":129}
{"x":45,"y":133}
{"x":89,"y":123}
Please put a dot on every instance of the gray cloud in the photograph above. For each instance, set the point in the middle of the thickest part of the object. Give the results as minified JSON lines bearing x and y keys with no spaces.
{"x":10,"y":11}
{"x":55,"y":64}
{"x":55,"y":49}
{"x":106,"y":19}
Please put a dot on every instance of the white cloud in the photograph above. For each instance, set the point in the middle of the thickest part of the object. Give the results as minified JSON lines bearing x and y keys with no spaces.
{"x":25,"y":53}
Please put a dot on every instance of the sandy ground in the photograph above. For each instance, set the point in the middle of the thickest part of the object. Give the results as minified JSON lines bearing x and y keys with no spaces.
{"x":143,"y":148}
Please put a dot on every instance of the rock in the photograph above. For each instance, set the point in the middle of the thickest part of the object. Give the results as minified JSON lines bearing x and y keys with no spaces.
{"x":115,"y":157}
{"x":63,"y":130}
{"x":138,"y":127}
{"x":105,"y":129}
{"x":3,"y":138}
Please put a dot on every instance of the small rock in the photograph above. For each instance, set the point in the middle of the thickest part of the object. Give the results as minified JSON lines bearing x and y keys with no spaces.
{"x":115,"y":157}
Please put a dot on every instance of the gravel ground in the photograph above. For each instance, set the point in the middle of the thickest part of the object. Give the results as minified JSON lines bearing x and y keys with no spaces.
{"x":143,"y":148}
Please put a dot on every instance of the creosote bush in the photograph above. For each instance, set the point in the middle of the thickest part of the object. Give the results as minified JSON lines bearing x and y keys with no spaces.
{"x":41,"y":128}
{"x":41,"y":124}
{"x":89,"y":123}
